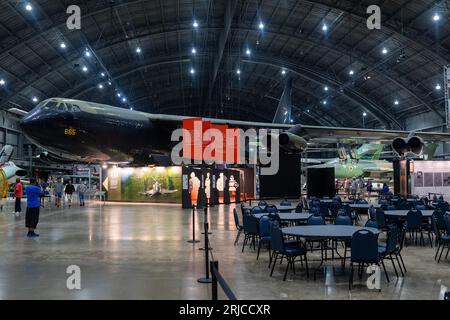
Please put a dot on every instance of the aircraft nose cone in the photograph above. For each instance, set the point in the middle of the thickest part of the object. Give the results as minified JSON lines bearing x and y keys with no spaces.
{"x":32,"y":126}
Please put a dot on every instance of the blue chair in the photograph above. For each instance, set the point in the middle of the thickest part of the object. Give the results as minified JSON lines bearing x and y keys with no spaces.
{"x":361,"y":201}
{"x":364,"y":250}
{"x":414,"y":225}
{"x":447,"y":223}
{"x":315,"y":211}
{"x":262,"y":203}
{"x":443,"y":241}
{"x":389,"y":249}
{"x":285,"y":203}
{"x":371,"y":223}
{"x":256,"y":210}
{"x":316,"y":221}
{"x":251,"y":226}
{"x":343,"y":220}
{"x":290,"y":252}
{"x":381,"y":219}
{"x":239,"y":227}
{"x":420,"y":207}
{"x":271,"y":209}
{"x":443,"y":206}
{"x":264,"y":234}
{"x":299,"y":208}
{"x":324,"y":212}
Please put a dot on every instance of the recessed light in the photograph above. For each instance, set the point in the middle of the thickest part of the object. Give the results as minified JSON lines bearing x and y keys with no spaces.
{"x":192,"y":71}
{"x":2,"y":82}
{"x":87,"y":53}
{"x":194,"y":51}
{"x":324,"y":27}
{"x":238,"y":71}
{"x":85,"y":69}
{"x":195,"y":24}
{"x":438,"y":87}
{"x":324,"y":102}
{"x":100,"y":86}
{"x":436,"y":17}
{"x":364,"y":114}
{"x":28,"y":7}
{"x":384,"y":51}
{"x":124,"y":99}
{"x":326,"y":88}
{"x":119,"y":95}
{"x":248,"y":52}
{"x":62,"y":45}
{"x":102,"y":74}
{"x":396,"y":102}
{"x":35,"y":99}
{"x":261,"y":26}
{"x":138,"y":50}
{"x":351,"y":72}
{"x":283,"y":72}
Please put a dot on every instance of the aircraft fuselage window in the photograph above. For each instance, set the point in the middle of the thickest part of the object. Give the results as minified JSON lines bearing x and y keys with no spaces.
{"x":62,"y":107}
{"x":50,"y":105}
{"x":75,"y":108}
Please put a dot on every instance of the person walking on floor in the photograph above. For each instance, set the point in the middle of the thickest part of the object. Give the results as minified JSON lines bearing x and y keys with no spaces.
{"x":69,"y":190}
{"x":33,"y":192}
{"x":18,"y":194}
{"x":58,"y":189}
{"x":81,"y":189}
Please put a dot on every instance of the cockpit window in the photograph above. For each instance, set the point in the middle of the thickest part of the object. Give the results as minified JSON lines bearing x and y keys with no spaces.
{"x":73,"y":107}
{"x":50,"y":105}
{"x":62,"y":106}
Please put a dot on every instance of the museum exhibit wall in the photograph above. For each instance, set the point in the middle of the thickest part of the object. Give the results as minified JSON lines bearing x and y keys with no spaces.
{"x":431,"y":177}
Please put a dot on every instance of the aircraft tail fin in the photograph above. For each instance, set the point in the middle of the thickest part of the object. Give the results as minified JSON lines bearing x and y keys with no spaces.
{"x":6,"y":153}
{"x":284,"y":111}
{"x":430,"y":149}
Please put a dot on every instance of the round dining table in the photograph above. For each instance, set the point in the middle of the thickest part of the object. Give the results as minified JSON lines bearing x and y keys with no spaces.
{"x":279,"y":208}
{"x":287,"y":216}
{"x":334,"y":232}
{"x":404,"y":213}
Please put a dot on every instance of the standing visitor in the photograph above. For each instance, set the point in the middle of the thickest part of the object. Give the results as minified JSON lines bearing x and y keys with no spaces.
{"x":44,"y":186}
{"x":58,"y":189}
{"x":69,"y":190}
{"x":81,"y":189}
{"x":33,"y":192}
{"x":18,"y":194}
{"x":369,"y":189}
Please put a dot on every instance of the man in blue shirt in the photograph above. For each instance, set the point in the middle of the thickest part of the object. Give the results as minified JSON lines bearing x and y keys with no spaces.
{"x":33,"y":192}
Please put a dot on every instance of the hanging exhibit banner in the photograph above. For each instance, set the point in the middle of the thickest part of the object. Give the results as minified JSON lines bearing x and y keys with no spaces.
{"x":447,"y":93}
{"x":145,"y":184}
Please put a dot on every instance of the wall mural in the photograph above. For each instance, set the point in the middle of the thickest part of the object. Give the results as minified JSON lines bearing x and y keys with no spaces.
{"x":145,"y":184}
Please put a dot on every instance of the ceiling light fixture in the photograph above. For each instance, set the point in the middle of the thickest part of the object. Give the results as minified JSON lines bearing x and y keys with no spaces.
{"x":28,"y":7}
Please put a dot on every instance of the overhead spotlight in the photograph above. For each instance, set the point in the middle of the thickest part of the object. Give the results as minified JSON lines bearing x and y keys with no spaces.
{"x":261,"y":26}
{"x":283,"y":72}
{"x":2,"y":82}
{"x":28,"y":7}
{"x":62,"y":45}
{"x":87,"y":53}
{"x":193,"y":51}
{"x":85,"y":69}
{"x":436,"y":17}
{"x":326,"y":88}
{"x":138,"y":50}
{"x":192,"y":71}
{"x":292,"y":120}
{"x":364,"y":114}
{"x":438,"y":87}
{"x":35,"y":99}
{"x":102,"y":74}
{"x":324,"y":102}
{"x":307,"y":110}
{"x":351,"y":72}
{"x":124,"y":99}
{"x":119,"y":95}
{"x":100,"y":86}
{"x":109,"y":83}
{"x":384,"y":51}
{"x":324,"y":27}
{"x":238,"y":71}
{"x":248,"y":52}
{"x":396,"y":102}
{"x":195,"y":24}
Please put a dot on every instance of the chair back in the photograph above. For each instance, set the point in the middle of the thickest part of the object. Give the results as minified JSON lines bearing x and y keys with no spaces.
{"x":380,"y":218}
{"x":236,"y":218}
{"x":436,"y":230}
{"x":324,"y":210}
{"x":251,"y":224}
{"x":443,"y":206}
{"x":276,"y":239}
{"x":285,"y":203}
{"x":447,"y":223}
{"x":343,"y":221}
{"x":256,"y":210}
{"x":348,"y":210}
{"x":299,"y":208}
{"x":439,"y":216}
{"x":371,"y":223}
{"x":361,"y":201}
{"x":392,"y":238}
{"x":262,"y":203}
{"x":264,"y":226}
{"x":315,"y":211}
{"x":334,"y":208}
{"x":414,"y":219}
{"x":364,"y":247}
{"x":271,"y":209}
{"x":316,"y":221}
{"x":421,"y":207}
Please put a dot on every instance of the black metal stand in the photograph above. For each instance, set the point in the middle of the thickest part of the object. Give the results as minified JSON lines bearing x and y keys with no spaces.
{"x":206,"y":279}
{"x":193,"y":227}
{"x":214,"y":295}
{"x":206,"y":224}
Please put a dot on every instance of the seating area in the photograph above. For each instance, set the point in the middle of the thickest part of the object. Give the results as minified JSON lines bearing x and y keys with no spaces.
{"x":355,"y":233}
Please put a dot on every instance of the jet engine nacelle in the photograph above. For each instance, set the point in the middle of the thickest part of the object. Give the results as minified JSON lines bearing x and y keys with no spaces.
{"x":413,"y":145}
{"x":291,"y":140}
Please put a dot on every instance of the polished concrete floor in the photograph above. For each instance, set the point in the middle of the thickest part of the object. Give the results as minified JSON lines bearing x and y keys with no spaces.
{"x":130,"y":251}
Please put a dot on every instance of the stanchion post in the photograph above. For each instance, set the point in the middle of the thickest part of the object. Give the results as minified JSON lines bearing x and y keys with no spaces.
{"x":214,"y":264}
{"x":206,"y":279}
{"x":193,"y":227}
